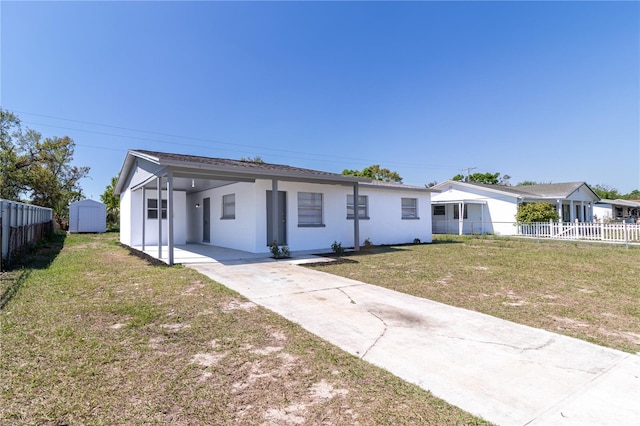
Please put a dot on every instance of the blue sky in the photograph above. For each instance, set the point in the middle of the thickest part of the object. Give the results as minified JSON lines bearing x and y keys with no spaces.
{"x":543,"y":91}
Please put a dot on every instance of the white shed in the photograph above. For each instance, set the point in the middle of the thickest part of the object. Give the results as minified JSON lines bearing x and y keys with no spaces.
{"x":87,"y":216}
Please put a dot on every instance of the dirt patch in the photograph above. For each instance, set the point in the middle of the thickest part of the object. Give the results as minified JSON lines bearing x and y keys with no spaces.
{"x":192,"y":288}
{"x":235,"y":305}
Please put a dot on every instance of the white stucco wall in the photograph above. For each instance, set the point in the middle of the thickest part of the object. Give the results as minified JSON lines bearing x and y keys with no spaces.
{"x":238,"y":233}
{"x":497,"y":216}
{"x":386,"y":225}
{"x":125,"y":218}
{"x":132,"y":209}
{"x":248,"y":231}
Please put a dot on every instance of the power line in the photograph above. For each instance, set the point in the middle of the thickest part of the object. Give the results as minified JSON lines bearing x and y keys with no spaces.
{"x":236,"y":145}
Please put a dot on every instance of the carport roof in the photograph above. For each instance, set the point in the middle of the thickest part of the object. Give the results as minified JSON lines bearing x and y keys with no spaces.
{"x":223,"y":168}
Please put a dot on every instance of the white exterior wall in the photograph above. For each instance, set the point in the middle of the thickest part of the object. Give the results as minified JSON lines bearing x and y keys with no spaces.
{"x":334,"y":213}
{"x":133,"y":209}
{"x":385,"y":224}
{"x":238,"y":233}
{"x":126,"y":214}
{"x":248,"y":231}
{"x":498,"y":212}
{"x":603,"y":211}
{"x":87,"y":216}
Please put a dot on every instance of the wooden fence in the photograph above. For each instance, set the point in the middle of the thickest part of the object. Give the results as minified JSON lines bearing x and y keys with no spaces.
{"x":21,"y":225}
{"x":618,"y":232}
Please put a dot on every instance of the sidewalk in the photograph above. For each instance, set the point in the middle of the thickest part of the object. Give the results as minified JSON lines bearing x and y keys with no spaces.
{"x":506,"y":373}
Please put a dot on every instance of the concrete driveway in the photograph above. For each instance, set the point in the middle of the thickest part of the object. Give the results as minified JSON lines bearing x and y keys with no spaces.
{"x":506,"y":373}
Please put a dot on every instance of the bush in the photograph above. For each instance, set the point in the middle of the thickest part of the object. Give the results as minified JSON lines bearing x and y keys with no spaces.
{"x":337,"y":248}
{"x":536,"y":212}
{"x":279,"y":252}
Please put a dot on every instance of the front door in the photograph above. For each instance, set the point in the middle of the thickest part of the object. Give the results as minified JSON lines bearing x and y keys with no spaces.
{"x":206,"y":220}
{"x":282,"y":224}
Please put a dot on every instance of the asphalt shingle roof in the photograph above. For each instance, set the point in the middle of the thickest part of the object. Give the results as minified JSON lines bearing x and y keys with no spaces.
{"x":236,"y":164}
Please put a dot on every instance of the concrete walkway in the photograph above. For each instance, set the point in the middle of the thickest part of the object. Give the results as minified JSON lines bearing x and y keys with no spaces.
{"x":506,"y":373}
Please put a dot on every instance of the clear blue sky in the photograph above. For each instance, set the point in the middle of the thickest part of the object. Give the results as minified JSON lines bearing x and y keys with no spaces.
{"x":543,"y":91}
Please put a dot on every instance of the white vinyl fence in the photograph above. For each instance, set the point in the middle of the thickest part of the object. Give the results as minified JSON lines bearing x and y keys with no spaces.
{"x":21,"y":225}
{"x":610,"y":232}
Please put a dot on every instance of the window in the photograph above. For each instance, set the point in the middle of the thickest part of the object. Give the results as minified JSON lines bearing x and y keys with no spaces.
{"x":410,"y":208}
{"x":309,"y":209}
{"x":363,"y":206}
{"x":456,"y":211}
{"x":439,"y":210}
{"x":229,"y":206}
{"x":152,"y":208}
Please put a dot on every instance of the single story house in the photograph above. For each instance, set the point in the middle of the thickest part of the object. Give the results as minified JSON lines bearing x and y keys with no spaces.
{"x":172,"y":199}
{"x":618,"y":210}
{"x":491,"y":209}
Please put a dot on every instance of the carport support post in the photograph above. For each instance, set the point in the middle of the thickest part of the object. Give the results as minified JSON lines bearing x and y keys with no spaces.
{"x":460,"y":217}
{"x":144,"y":217}
{"x":159,"y":217}
{"x":275,"y":215}
{"x":356,"y":219}
{"x":170,"y":215}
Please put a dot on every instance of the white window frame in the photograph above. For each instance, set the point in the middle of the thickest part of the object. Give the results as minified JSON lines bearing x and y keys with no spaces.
{"x":310,"y":209}
{"x":152,"y":211}
{"x":409,"y":208}
{"x":363,"y":206}
{"x":228,"y":206}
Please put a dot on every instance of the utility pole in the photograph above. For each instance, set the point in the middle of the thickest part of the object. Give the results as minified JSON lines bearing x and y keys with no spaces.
{"x":468,"y":170}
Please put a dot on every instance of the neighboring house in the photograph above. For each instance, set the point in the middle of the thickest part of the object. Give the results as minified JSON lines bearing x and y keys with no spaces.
{"x":245,"y":205}
{"x":619,"y":210}
{"x":491,"y":209}
{"x":87,"y":216}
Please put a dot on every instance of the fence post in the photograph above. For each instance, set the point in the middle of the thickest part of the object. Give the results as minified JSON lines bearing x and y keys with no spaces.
{"x":626,"y":234}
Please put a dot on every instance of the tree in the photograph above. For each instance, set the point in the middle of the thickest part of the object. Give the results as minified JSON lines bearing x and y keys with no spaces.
{"x":375,"y":172}
{"x":37,"y":169}
{"x":112,"y":201}
{"x":530,"y":182}
{"x":536,"y":212}
{"x":486,"y":178}
{"x":11,"y":163}
{"x":606,"y":192}
{"x":633,"y":195}
{"x":256,"y":159}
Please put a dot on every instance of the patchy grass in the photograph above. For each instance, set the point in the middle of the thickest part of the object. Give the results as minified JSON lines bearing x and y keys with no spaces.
{"x":589,"y":291}
{"x":102,"y":337}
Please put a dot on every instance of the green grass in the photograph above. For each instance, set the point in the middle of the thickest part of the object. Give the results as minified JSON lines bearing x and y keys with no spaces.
{"x":94,"y":335}
{"x":585,"y":290}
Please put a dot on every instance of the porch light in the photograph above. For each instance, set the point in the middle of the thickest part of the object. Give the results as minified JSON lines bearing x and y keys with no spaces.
{"x":197,"y":205}
{"x":193,"y":183}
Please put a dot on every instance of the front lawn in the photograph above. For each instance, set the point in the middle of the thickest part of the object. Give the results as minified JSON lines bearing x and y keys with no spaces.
{"x":94,"y":335}
{"x":585,"y":290}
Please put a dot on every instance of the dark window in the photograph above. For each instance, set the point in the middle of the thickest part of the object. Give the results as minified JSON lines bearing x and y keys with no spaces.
{"x":152,"y":208}
{"x":439,"y":210}
{"x":456,"y":211}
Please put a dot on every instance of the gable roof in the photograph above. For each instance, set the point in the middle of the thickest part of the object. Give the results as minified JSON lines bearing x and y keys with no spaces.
{"x":619,"y":202}
{"x":226,"y":169}
{"x":540,"y":191}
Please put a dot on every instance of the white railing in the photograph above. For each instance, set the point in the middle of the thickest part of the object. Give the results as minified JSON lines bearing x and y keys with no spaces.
{"x":20,"y":226}
{"x":612,"y":232}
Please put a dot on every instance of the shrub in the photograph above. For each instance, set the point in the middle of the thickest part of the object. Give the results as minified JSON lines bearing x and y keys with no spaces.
{"x":279,"y":252}
{"x":337,"y":248}
{"x":536,"y":212}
